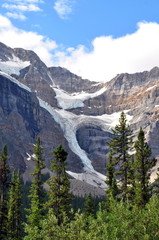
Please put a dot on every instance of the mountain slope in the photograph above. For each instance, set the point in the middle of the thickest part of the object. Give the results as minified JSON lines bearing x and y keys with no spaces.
{"x":63,"y":108}
{"x":23,"y":120}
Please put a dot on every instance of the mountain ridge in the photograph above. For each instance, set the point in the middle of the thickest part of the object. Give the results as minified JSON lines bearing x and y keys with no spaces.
{"x":82,"y":112}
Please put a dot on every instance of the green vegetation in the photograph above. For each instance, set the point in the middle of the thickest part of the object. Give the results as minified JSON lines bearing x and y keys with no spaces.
{"x":130,"y":210}
{"x":14,"y":223}
{"x":59,"y":195}
{"x":120,"y":160}
{"x":4,"y":187}
{"x":143,"y":165}
{"x":36,"y":210}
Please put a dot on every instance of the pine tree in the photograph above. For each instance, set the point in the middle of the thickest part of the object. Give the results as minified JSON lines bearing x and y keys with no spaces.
{"x":111,"y":182}
{"x":36,"y":211}
{"x":143,"y":166}
{"x":59,"y":192}
{"x":15,"y":208}
{"x":156,"y":184}
{"x":120,"y":146}
{"x":4,"y":185}
{"x":89,"y":206}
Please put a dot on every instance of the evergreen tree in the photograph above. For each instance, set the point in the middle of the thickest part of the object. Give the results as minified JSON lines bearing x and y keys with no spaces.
{"x":15,"y":208}
{"x":4,"y":185}
{"x":155,"y":184}
{"x":89,"y":206}
{"x":59,"y":192}
{"x":132,"y":179}
{"x":36,"y":211}
{"x":112,"y":190}
{"x":143,"y":166}
{"x":120,"y":146}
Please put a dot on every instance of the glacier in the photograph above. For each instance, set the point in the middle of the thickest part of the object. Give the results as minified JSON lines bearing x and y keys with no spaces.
{"x":74,"y":100}
{"x":13,"y":65}
{"x":69,"y":123}
{"x":12,"y":79}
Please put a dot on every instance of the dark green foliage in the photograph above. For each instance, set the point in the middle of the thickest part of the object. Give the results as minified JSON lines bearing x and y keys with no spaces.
{"x":4,"y":186}
{"x":26,"y":201}
{"x":59,"y":192}
{"x":119,"y":221}
{"x":143,"y":166}
{"x":77,"y":203}
{"x":89,"y":206}
{"x":111,"y":178}
{"x":127,"y":176}
{"x":150,"y":218}
{"x":120,"y":159}
{"x":36,"y":211}
{"x":155,"y":184}
{"x":14,"y":230}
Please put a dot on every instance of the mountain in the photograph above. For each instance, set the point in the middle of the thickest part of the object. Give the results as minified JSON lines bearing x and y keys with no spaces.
{"x":62,"y":108}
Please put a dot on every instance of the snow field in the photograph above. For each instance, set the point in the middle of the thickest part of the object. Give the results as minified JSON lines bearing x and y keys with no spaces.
{"x":13,"y":66}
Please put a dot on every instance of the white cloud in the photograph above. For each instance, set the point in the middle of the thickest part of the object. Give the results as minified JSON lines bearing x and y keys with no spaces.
{"x":16,"y":15}
{"x":16,"y":8}
{"x":15,"y":37}
{"x":25,"y":1}
{"x":131,"y":53}
{"x":22,"y":8}
{"x":63,"y":8}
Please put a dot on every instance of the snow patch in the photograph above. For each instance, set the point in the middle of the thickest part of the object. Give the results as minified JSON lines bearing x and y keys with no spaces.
{"x":96,"y":179}
{"x":53,"y":83}
{"x":30,"y":157}
{"x":150,"y":88}
{"x":111,"y":120}
{"x":74,"y":100}
{"x":13,"y":66}
{"x":66,"y":122}
{"x":70,"y":122}
{"x":15,"y":81}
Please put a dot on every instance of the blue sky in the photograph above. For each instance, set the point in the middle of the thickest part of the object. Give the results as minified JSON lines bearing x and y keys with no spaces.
{"x":95,"y":39}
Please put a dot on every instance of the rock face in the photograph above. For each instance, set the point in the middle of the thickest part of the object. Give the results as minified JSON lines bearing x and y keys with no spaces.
{"x":94,"y":141}
{"x":70,"y":82}
{"x":126,"y":91}
{"x":22,"y":120}
{"x":62,"y":108}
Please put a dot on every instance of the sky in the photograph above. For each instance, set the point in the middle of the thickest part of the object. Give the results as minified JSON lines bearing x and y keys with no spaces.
{"x":95,"y":39}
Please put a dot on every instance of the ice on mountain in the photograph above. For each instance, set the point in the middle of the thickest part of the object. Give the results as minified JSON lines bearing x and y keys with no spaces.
{"x":74,"y":100}
{"x":15,"y":81}
{"x":13,"y":65}
{"x":94,"y":178}
{"x":30,"y":157}
{"x":65,"y":119}
{"x":150,"y":88}
{"x":70,"y":122}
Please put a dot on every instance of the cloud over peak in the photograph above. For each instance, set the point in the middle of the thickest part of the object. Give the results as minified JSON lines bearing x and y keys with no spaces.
{"x":108,"y":56}
{"x":15,"y":37}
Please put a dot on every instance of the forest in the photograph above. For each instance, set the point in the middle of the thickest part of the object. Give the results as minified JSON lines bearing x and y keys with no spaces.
{"x":129,"y":211}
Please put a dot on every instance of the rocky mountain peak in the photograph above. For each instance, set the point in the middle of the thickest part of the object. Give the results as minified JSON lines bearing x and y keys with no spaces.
{"x":70,"y":82}
{"x":62,"y":108}
{"x":5,"y":53}
{"x":28,"y":55}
